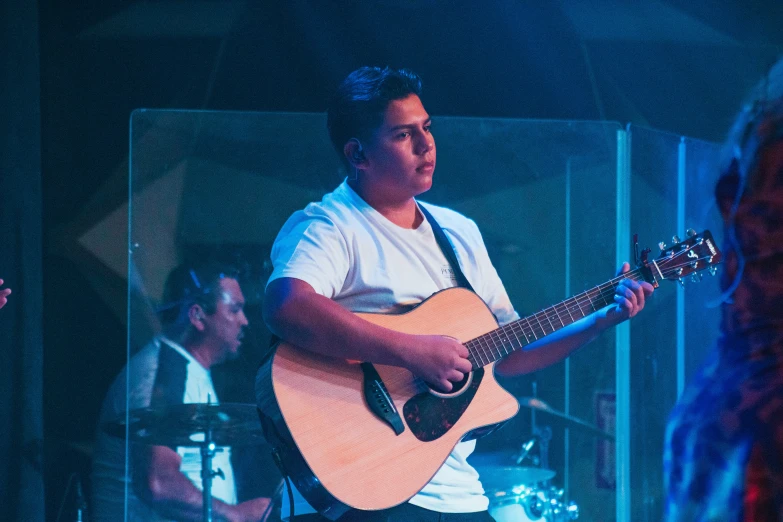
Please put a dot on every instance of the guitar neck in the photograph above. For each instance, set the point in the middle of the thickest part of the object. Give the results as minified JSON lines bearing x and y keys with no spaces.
{"x":514,"y":336}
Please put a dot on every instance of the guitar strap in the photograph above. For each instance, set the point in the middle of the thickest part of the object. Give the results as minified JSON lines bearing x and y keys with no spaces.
{"x":448,"y":250}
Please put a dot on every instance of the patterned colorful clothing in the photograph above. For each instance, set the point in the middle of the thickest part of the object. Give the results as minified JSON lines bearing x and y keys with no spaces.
{"x":724,"y":440}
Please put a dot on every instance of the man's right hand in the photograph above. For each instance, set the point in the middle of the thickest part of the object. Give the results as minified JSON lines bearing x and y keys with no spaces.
{"x":439,"y":360}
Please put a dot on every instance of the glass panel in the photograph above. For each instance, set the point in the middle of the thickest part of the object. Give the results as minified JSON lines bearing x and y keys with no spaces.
{"x":209,"y":185}
{"x":654,"y":164}
{"x":702,"y":318}
{"x":206,"y":184}
{"x":662,"y":166}
{"x":543,"y":194}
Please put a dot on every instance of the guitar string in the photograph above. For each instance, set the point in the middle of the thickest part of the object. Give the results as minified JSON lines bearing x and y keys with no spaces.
{"x":576,"y":302}
{"x":499,"y":338}
{"x":587,"y":297}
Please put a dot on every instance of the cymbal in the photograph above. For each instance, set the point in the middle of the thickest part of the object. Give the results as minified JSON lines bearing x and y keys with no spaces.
{"x":506,"y":478}
{"x":231,"y":424}
{"x":539,"y":405}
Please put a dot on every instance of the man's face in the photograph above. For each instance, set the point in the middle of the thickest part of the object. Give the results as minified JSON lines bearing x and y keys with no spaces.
{"x":400,"y":157}
{"x":224,"y":327}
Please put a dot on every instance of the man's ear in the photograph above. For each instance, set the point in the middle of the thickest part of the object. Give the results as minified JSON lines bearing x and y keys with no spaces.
{"x":196,"y":316}
{"x":354,"y":152}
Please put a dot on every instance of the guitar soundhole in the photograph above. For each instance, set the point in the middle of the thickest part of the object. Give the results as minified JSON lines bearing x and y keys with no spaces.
{"x":430,"y":415}
{"x":456,"y":387}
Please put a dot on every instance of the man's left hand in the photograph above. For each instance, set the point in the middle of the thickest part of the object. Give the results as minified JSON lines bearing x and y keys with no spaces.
{"x":629,"y":298}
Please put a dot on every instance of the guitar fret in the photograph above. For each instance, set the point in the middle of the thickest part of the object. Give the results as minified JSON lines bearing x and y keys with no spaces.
{"x":558,"y":316}
{"x":543,"y":332}
{"x":522,"y":329}
{"x":503,"y":348}
{"x":545,"y":323}
{"x":481,"y":343}
{"x":569,"y":313}
{"x":472,"y":352}
{"x":508,"y":345}
{"x":546,"y":314}
{"x":488,"y":342}
{"x":518,"y":328}
{"x":498,"y":343}
{"x":604,"y":299}
{"x":519,"y":342}
{"x":532,"y":331}
{"x":579,"y":304}
{"x":471,"y":357}
{"x":486,"y":349}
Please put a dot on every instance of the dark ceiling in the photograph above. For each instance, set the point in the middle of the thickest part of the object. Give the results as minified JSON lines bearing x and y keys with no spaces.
{"x":681,"y":66}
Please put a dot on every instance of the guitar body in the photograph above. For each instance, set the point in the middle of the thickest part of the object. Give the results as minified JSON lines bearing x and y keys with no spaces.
{"x":338,"y":452}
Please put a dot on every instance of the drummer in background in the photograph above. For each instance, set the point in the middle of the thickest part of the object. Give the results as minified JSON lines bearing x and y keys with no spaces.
{"x":203,"y":321}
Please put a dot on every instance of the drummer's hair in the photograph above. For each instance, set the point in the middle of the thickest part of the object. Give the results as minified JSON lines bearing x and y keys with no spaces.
{"x":189,"y":284}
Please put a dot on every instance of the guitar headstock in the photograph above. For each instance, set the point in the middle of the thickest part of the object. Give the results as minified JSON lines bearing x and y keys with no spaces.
{"x":687,"y":258}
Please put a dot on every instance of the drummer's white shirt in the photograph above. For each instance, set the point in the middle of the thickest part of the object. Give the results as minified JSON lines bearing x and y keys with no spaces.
{"x":110,"y":478}
{"x":349,"y":252}
{"x":200,"y":390}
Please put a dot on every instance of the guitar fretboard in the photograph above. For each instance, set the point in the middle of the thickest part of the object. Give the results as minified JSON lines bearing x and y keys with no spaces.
{"x":498,"y":343}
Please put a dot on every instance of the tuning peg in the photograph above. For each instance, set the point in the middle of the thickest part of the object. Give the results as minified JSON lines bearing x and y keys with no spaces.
{"x":675,"y":239}
{"x":690,"y":232}
{"x":713,"y":270}
{"x":682,"y":283}
{"x":662,"y":246}
{"x":696,"y":277}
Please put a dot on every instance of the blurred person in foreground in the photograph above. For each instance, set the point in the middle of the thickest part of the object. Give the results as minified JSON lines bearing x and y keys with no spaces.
{"x":724,"y":440}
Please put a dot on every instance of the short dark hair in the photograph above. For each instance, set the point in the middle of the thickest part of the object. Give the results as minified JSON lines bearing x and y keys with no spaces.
{"x":189,"y":284}
{"x":356,"y":109}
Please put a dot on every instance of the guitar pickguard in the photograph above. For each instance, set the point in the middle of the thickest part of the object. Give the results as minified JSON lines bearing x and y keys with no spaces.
{"x":429,"y":416}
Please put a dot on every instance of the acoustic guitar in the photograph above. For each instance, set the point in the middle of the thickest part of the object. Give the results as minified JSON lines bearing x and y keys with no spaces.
{"x":370,"y":436}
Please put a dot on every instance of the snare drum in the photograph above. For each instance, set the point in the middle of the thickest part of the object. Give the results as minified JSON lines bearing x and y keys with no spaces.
{"x":522,"y":504}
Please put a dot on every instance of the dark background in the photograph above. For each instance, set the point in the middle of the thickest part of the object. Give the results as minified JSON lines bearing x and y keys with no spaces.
{"x":73,"y":72}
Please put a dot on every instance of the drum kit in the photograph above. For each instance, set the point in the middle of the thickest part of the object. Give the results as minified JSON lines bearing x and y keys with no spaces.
{"x":516,"y":493}
{"x":206,"y":426}
{"x":519,"y":493}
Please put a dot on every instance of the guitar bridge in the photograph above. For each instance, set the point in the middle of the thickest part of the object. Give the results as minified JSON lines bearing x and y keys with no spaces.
{"x":378,"y":399}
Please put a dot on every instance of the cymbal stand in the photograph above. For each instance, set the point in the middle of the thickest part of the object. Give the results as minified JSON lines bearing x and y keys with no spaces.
{"x":543,"y":434}
{"x":208,"y":450}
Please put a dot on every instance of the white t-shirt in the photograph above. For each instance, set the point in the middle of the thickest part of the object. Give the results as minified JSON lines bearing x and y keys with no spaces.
{"x":349,"y":252}
{"x":162,"y":373}
{"x":200,"y":390}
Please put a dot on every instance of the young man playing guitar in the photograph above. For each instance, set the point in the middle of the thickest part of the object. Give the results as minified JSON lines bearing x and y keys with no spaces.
{"x":369,"y":246}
